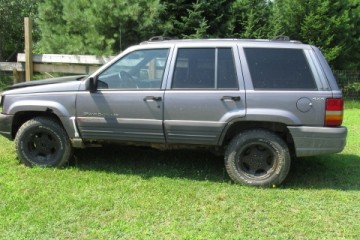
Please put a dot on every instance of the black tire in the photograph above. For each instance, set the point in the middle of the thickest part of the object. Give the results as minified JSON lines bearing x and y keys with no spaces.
{"x":43,"y":142}
{"x":257,"y":158}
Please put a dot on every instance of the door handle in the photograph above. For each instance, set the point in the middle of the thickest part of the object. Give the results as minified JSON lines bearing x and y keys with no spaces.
{"x":233,"y":98}
{"x":152,"y":98}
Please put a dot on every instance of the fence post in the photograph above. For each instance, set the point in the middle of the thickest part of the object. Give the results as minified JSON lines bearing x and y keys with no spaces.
{"x":28,"y":49}
{"x":18,"y":76}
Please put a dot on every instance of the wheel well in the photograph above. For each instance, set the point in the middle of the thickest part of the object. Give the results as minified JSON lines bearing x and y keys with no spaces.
{"x":21,"y":117}
{"x":278,"y":128}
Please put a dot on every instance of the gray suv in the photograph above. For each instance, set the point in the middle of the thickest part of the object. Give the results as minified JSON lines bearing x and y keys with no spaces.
{"x":259,"y":102}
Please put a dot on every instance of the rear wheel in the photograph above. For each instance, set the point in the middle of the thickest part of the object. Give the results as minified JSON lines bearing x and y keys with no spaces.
{"x":43,"y":142}
{"x":257,"y":158}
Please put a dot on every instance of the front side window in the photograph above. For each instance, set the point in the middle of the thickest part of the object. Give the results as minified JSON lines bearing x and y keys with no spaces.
{"x":204,"y":68}
{"x":279,"y":69}
{"x":141,"y":69}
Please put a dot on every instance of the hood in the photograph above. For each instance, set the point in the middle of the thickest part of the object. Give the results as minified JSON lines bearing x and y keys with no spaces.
{"x":45,"y":82}
{"x":63,"y":84}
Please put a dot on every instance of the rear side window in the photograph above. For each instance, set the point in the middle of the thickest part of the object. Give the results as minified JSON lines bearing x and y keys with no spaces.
{"x":204,"y":68}
{"x":226,"y":74}
{"x":279,"y":69}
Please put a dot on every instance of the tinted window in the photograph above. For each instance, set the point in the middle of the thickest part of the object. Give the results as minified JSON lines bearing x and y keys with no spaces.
{"x":142,"y":69}
{"x":198,"y":69}
{"x":226,"y":77}
{"x":195,"y":68}
{"x":279,"y":69}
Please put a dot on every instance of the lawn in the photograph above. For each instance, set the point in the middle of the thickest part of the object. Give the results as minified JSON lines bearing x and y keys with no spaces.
{"x":138,"y":193}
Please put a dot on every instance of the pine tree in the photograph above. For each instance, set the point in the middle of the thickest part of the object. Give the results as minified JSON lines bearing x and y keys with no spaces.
{"x":194,"y":25}
{"x":195,"y":19}
{"x":100,"y":27}
{"x":324,"y":23}
{"x":249,"y":19}
{"x":12,"y":13}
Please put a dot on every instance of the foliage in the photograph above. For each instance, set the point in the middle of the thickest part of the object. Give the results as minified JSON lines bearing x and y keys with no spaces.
{"x":194,"y":24}
{"x":351,"y":58}
{"x":249,"y":19}
{"x":5,"y":80}
{"x":12,"y":13}
{"x":98,"y":27}
{"x":105,"y":27}
{"x":349,"y":82}
{"x":128,"y":193}
{"x":327,"y":24}
{"x":352,"y":89}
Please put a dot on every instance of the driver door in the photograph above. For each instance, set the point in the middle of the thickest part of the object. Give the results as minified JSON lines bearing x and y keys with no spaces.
{"x":128,"y":102}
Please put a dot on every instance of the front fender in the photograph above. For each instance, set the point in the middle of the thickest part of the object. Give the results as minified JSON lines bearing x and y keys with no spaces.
{"x":39,"y":106}
{"x":63,"y":108}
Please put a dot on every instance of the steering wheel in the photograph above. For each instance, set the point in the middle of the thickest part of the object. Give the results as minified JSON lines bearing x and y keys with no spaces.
{"x":128,"y":79}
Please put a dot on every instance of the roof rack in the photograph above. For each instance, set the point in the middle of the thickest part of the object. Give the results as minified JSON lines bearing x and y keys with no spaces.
{"x":160,"y":38}
{"x":281,"y":38}
{"x":278,"y":39}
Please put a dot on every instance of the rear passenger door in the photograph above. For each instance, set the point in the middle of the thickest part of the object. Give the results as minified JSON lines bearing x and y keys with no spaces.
{"x":204,"y":93}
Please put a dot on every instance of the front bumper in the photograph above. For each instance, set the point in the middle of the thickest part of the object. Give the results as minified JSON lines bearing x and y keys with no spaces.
{"x":311,"y":141}
{"x":6,"y":125}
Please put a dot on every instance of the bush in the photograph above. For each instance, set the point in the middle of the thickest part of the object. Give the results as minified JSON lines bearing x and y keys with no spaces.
{"x":5,"y":81}
{"x":352,"y":89}
{"x":349,"y":82}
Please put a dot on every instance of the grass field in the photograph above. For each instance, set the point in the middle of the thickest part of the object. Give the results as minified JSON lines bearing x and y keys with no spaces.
{"x":135,"y":193}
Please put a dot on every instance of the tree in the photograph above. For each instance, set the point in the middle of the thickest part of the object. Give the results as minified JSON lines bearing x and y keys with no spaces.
{"x":12,"y":13}
{"x":104,"y":27}
{"x":351,"y":60}
{"x":325,"y":23}
{"x":249,"y":19}
{"x":195,"y":19}
{"x":194,"y":24}
{"x":172,"y":16}
{"x":99,"y":27}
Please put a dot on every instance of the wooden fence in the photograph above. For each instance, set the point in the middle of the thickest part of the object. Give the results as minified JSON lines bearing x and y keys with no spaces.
{"x":54,"y":63}
{"x":27,"y":62}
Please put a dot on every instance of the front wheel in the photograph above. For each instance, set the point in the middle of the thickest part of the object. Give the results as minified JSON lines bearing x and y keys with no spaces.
{"x":42,"y":142}
{"x":257,"y":158}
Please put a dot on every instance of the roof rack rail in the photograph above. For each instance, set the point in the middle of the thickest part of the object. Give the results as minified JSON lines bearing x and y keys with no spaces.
{"x":281,"y":38}
{"x":160,"y":38}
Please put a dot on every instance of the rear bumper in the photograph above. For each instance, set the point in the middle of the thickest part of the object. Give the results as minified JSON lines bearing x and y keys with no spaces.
{"x":310,"y":141}
{"x":6,"y":125}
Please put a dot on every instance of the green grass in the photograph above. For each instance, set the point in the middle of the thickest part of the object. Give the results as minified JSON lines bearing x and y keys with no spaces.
{"x":138,"y":193}
{"x":352,"y":103}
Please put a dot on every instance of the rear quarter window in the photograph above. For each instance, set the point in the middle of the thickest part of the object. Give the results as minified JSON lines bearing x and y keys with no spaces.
{"x":279,"y":69}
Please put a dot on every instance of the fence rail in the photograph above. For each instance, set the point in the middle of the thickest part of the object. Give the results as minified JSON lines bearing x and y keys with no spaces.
{"x":10,"y":66}
{"x":59,"y":63}
{"x":65,"y":58}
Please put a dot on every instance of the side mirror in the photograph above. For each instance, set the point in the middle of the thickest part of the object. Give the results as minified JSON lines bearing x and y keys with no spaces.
{"x":92,"y":85}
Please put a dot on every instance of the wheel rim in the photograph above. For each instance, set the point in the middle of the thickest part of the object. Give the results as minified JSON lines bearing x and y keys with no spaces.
{"x":43,"y":147}
{"x":257,"y":160}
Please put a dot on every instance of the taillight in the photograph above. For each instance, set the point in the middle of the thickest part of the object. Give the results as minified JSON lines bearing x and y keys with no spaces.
{"x":334,"y":111}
